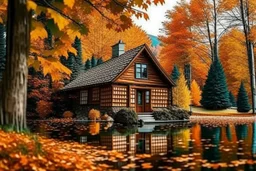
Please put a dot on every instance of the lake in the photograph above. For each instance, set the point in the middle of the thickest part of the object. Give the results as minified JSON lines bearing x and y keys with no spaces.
{"x":181,"y":146}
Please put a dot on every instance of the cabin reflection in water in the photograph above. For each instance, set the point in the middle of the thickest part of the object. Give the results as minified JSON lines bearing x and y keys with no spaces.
{"x":142,"y":141}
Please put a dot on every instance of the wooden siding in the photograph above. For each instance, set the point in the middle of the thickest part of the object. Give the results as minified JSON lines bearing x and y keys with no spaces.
{"x":159,"y":97}
{"x":120,"y":96}
{"x":106,"y":96}
{"x":154,"y":77}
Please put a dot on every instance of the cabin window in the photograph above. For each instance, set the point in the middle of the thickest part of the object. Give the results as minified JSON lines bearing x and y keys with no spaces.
{"x":141,"y":71}
{"x":84,"y":97}
{"x":95,"y":94}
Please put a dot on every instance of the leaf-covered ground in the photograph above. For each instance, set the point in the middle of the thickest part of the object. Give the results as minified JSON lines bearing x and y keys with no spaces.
{"x":31,"y":152}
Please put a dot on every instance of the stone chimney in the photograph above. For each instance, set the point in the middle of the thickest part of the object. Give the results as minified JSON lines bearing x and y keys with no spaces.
{"x":118,"y":49}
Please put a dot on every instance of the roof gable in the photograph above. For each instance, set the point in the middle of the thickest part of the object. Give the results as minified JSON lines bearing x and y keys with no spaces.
{"x":154,"y":62}
{"x":112,"y":69}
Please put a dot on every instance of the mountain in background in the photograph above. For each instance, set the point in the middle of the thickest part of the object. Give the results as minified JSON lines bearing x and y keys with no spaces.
{"x":155,"y":41}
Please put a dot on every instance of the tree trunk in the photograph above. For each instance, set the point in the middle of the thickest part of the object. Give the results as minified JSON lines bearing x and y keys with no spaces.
{"x":14,"y":89}
{"x":245,"y":11}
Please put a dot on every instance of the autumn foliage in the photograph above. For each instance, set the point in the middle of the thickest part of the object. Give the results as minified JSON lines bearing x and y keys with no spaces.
{"x":94,"y":114}
{"x":26,"y":152}
{"x":94,"y":128}
{"x":195,"y":93}
{"x":181,"y":93}
{"x":68,"y":114}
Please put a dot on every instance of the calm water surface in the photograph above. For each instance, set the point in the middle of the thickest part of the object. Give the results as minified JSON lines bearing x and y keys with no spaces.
{"x":183,"y":146}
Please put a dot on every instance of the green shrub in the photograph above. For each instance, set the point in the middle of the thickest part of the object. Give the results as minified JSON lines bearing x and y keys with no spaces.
{"x":126,"y":117}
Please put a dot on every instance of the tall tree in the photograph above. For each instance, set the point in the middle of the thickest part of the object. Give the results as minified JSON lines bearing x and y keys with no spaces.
{"x":215,"y":94}
{"x":181,"y":45}
{"x":195,"y":93}
{"x":2,"y":49}
{"x":14,"y":91}
{"x":234,"y":60}
{"x":181,"y":93}
{"x":243,"y":104}
{"x":13,"y":103}
{"x":99,"y":40}
{"x":175,"y":73}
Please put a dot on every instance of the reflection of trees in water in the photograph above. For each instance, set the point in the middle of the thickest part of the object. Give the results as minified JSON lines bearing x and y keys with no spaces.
{"x":228,"y":133}
{"x":180,"y":141}
{"x":241,"y":132}
{"x":211,"y":144}
{"x":254,"y":140}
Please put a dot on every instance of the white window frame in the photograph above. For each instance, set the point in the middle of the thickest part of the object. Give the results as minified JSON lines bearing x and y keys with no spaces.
{"x":83,"y":97}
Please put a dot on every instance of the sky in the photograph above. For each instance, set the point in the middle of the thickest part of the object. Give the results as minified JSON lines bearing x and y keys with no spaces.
{"x":157,"y":16}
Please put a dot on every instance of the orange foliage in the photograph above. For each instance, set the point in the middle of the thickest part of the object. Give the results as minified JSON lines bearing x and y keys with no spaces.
{"x":44,"y":108}
{"x":71,"y":21}
{"x":67,"y":114}
{"x":179,"y":47}
{"x":98,"y":42}
{"x":94,"y":114}
{"x":94,"y":128}
{"x":26,"y":152}
{"x":234,"y":60}
{"x":195,"y":93}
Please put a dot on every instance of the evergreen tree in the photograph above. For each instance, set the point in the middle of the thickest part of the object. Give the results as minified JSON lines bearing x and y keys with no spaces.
{"x":2,"y":49}
{"x":93,"y":61}
{"x":88,"y":64}
{"x":175,"y":73}
{"x":78,"y":65}
{"x":243,"y":104}
{"x":232,"y":99}
{"x":215,"y":94}
{"x":100,"y":61}
{"x":181,"y":93}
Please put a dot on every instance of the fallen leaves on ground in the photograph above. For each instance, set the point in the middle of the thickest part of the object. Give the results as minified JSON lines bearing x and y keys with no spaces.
{"x":30,"y":152}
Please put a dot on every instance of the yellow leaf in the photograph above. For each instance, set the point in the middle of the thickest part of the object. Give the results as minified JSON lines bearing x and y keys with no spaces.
{"x":39,"y":31}
{"x":33,"y":63}
{"x":58,"y":19}
{"x":69,"y":3}
{"x":31,"y":5}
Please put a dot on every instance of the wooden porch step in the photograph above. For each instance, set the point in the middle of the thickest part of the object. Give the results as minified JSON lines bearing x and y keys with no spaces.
{"x":146,"y":117}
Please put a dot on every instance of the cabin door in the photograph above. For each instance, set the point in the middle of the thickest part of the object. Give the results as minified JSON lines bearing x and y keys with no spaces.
{"x":143,"y":101}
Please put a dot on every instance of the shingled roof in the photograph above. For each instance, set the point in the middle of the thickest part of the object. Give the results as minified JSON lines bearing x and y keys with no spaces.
{"x":106,"y":72}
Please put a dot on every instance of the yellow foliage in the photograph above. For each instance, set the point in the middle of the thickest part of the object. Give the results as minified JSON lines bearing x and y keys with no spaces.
{"x":69,"y":3}
{"x":94,"y":114}
{"x":94,"y":128}
{"x":181,"y":93}
{"x":195,"y":93}
{"x":61,"y":21}
{"x":67,"y":114}
{"x":31,"y":5}
{"x":54,"y":67}
{"x":39,"y":31}
{"x":99,"y":40}
{"x":233,"y":56}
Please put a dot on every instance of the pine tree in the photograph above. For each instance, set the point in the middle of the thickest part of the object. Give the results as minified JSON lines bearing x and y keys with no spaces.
{"x":243,"y":104}
{"x":232,"y":99}
{"x":2,"y":50}
{"x":100,"y":61}
{"x":195,"y":93}
{"x":93,"y":61}
{"x":181,"y":93}
{"x":78,"y":65}
{"x":215,"y":94}
{"x":87,"y":65}
{"x":175,"y":73}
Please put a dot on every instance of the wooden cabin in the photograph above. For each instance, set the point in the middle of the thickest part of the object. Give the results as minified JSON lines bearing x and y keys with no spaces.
{"x":133,"y":79}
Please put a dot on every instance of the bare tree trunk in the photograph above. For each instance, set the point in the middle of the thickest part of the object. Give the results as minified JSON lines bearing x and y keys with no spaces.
{"x":15,"y":77}
{"x":245,"y":12}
